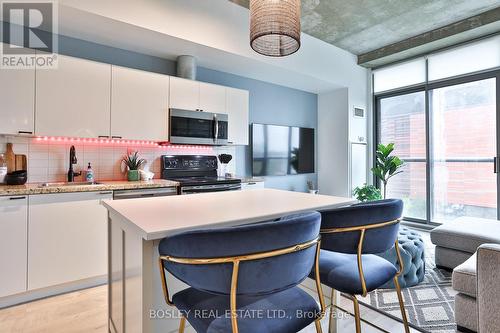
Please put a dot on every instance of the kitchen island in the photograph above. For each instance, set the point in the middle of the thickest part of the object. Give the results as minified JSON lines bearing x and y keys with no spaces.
{"x":136,"y":226}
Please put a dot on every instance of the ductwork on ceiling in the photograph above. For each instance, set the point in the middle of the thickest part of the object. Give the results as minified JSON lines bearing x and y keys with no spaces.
{"x":186,"y":67}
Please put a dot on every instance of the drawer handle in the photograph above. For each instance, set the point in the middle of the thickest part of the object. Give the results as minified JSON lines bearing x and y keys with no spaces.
{"x":251,"y":183}
{"x":24,"y":132}
{"x":103,"y":136}
{"x":116,"y":137}
{"x":17,"y":198}
{"x":107,"y":192}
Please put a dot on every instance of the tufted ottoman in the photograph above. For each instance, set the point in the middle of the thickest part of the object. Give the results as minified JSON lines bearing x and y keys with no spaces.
{"x":411,"y":246}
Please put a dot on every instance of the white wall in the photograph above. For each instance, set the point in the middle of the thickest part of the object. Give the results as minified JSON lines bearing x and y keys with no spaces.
{"x":333,"y":145}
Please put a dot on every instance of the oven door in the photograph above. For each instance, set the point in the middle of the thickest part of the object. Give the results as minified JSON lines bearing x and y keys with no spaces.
{"x":210,"y":188}
{"x":196,"y":127}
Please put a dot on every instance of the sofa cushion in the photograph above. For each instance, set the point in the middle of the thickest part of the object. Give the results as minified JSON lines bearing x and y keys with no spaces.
{"x":464,"y":277}
{"x":466,"y":233}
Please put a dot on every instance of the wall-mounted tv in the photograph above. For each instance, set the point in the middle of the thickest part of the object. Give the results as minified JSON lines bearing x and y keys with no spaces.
{"x":282,"y":150}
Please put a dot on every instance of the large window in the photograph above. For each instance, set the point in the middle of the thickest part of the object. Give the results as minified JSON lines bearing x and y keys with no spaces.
{"x":446,"y":130}
{"x":463,"y":146}
{"x":402,"y":121}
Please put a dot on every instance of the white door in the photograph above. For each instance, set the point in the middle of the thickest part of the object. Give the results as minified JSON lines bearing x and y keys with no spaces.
{"x":74,"y":99}
{"x":67,"y":238}
{"x":17,"y":95}
{"x":139,"y":104}
{"x":212,"y":98}
{"x":13,"y":244}
{"x":184,"y":94}
{"x":237,"y":109}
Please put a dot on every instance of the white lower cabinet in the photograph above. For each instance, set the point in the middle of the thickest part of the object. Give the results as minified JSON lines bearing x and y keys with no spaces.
{"x":67,"y":238}
{"x":13,"y":244}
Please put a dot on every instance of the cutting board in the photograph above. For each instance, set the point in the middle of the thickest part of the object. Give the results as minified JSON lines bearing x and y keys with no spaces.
{"x":15,"y":162}
{"x":10,"y":158}
{"x":21,"y":162}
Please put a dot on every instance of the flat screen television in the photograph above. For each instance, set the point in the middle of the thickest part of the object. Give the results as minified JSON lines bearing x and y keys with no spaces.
{"x":282,"y":150}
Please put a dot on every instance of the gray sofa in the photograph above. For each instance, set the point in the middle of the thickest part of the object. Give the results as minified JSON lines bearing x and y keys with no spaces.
{"x":477,"y":281}
{"x":470,"y":246}
{"x":458,"y":240}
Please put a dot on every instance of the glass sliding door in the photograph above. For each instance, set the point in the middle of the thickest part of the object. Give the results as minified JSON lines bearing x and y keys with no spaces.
{"x":401,"y":120}
{"x":463,"y":146}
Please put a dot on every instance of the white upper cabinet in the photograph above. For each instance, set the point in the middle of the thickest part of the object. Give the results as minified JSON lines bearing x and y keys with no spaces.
{"x":212,"y":98}
{"x":184,"y":94}
{"x":73,"y":99}
{"x":139,"y":104}
{"x":17,"y":95}
{"x":237,"y":103}
{"x":13,"y":244}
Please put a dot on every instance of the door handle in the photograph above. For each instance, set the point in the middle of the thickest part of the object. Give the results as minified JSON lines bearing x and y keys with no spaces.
{"x":216,"y":128}
{"x":495,"y":164}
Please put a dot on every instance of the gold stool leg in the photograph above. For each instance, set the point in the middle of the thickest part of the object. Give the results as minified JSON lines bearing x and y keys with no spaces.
{"x":182,"y":324}
{"x":318,"y":326}
{"x":357,"y":315}
{"x":332,"y":324}
{"x":401,"y":305}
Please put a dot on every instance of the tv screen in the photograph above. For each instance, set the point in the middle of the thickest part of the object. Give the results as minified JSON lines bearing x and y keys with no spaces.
{"x":282,"y":150}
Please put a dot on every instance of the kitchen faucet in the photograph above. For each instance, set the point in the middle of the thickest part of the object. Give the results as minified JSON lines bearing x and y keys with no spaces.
{"x":72,"y":160}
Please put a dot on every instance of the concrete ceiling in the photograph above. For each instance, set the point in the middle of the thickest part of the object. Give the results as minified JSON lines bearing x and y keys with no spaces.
{"x":362,"y":26}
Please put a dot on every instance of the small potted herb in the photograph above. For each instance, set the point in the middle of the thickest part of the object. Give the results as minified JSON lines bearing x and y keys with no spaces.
{"x":310,"y":187}
{"x":133,"y":163}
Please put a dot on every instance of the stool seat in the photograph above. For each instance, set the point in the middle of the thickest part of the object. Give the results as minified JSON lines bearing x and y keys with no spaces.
{"x":275,"y":313}
{"x":341,"y":270}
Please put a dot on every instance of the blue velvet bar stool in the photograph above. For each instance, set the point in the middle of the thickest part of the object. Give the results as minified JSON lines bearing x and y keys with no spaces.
{"x":351,"y":236}
{"x":247,"y":276}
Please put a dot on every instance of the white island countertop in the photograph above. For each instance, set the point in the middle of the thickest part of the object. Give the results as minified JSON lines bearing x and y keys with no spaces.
{"x":155,"y":218}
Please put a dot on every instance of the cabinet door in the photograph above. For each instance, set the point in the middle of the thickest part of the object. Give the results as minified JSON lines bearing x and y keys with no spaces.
{"x":73,"y":100}
{"x":13,"y":241}
{"x":17,"y":93}
{"x":139,"y":104}
{"x":237,"y":103}
{"x":67,"y":238}
{"x":184,"y":94}
{"x":212,"y":98}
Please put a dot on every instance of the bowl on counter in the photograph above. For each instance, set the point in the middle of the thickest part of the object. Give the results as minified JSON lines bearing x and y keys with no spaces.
{"x":19,"y":177}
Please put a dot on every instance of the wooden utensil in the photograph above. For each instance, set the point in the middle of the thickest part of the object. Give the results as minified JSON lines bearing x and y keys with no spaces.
{"x":10,"y":158}
{"x":21,"y":162}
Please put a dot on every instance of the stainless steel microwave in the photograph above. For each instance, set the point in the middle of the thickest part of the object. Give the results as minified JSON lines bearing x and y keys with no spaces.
{"x":198,"y":127}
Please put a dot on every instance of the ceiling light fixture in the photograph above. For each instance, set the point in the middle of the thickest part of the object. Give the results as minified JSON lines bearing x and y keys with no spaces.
{"x":275,"y":27}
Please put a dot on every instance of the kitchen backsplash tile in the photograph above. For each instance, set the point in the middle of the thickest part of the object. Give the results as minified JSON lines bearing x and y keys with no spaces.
{"x":48,"y":161}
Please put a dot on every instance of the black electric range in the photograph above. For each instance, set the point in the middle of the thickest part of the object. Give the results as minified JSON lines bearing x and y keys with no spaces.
{"x":196,"y":174}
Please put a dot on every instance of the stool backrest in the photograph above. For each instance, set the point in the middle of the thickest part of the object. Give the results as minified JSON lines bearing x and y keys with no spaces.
{"x":255,"y":276}
{"x":341,"y":228}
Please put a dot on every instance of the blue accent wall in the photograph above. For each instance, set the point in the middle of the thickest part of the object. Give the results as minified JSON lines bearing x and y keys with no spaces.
{"x":269,"y":103}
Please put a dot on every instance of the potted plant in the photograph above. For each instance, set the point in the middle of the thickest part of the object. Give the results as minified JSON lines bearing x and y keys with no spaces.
{"x":367,"y":193}
{"x":387,"y":165}
{"x":133,"y":163}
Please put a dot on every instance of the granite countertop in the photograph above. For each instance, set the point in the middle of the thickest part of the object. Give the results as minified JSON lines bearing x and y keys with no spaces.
{"x":36,"y":188}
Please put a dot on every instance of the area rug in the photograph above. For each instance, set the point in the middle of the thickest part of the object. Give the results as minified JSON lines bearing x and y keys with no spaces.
{"x":429,"y":305}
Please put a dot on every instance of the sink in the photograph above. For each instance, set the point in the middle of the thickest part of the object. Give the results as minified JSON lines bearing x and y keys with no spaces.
{"x":60,"y":184}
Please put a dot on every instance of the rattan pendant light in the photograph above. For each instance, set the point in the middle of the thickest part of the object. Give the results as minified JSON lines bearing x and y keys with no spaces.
{"x":275,"y":27}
